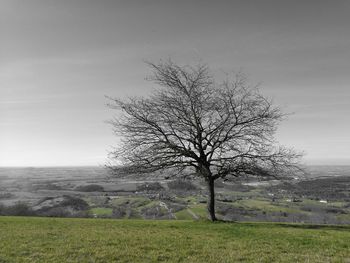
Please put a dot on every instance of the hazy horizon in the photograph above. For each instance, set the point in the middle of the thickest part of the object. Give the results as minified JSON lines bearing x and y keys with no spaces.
{"x":101,"y":166}
{"x":58,"y":60}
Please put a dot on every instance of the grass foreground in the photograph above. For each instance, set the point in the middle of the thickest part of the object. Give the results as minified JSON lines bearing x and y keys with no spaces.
{"x":30,"y":239}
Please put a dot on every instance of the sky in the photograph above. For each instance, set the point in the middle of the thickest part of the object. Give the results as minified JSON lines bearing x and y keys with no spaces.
{"x":60,"y":58}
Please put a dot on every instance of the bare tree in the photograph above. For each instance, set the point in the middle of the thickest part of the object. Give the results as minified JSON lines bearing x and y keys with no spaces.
{"x":218,"y":130}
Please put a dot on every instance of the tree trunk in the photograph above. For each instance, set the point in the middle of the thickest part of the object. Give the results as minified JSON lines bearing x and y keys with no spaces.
{"x":211,"y":200}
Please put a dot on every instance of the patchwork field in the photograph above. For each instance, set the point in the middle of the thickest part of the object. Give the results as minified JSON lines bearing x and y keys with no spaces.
{"x":321,"y":198}
{"x":30,"y":239}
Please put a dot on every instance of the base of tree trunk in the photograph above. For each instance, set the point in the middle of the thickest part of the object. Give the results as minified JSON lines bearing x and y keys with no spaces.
{"x":211,"y":200}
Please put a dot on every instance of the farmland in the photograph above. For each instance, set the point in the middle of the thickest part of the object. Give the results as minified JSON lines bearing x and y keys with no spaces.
{"x":322,"y":198}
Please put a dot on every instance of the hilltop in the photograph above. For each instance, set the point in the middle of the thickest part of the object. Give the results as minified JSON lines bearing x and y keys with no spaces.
{"x":30,"y":239}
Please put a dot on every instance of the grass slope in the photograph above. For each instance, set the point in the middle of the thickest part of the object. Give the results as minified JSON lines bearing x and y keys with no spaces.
{"x":25,"y":239}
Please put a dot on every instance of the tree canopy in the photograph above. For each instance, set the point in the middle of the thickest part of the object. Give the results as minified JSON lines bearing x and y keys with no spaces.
{"x":218,"y":129}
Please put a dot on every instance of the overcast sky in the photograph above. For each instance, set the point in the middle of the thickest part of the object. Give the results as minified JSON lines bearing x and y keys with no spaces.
{"x":58,"y":59}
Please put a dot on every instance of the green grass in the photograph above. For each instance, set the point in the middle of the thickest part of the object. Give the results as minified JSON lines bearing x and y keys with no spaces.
{"x":338,"y":204}
{"x":24,"y":239}
{"x":345,"y":217}
{"x":200,"y":210}
{"x":102,"y":211}
{"x":268,"y":206}
{"x":134,"y":201}
{"x":183,"y":215}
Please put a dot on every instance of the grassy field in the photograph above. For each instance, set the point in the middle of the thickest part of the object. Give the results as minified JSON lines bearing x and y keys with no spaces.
{"x":25,"y":239}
